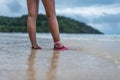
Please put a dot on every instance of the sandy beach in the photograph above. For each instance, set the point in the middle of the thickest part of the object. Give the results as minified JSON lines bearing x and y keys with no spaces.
{"x":85,"y":59}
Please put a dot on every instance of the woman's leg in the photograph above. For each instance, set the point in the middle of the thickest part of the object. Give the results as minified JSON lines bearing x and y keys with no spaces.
{"x":33,"y":6}
{"x":52,"y":21}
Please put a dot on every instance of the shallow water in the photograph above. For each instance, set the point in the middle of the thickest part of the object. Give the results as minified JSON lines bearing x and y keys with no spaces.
{"x":89,"y":58}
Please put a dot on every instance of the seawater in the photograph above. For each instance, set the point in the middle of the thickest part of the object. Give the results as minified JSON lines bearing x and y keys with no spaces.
{"x":98,"y":37}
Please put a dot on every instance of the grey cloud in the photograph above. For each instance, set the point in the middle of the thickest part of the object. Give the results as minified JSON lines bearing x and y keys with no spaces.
{"x":69,"y":3}
{"x":14,"y":6}
{"x":108,"y":19}
{"x":112,"y":28}
{"x":110,"y":23}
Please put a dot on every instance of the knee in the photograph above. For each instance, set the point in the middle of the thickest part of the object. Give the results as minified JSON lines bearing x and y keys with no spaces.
{"x":32,"y":15}
{"x":51,"y":15}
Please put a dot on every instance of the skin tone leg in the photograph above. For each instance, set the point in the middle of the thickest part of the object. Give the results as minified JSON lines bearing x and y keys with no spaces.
{"x":33,"y":6}
{"x":49,"y":6}
{"x":52,"y":21}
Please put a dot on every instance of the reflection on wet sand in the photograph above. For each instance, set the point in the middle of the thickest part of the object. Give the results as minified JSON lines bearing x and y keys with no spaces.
{"x":31,"y":60}
{"x":51,"y":73}
{"x":53,"y":66}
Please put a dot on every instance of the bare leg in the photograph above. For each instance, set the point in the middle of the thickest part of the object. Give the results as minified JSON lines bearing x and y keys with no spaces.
{"x":52,"y":21}
{"x":33,"y":6}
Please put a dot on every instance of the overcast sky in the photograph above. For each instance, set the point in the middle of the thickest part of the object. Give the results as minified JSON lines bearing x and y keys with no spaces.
{"x":103,"y":15}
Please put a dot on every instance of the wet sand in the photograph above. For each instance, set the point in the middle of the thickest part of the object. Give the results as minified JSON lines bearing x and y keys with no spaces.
{"x":86,"y":60}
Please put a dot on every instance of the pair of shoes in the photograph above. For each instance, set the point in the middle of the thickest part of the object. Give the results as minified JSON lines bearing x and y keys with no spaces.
{"x":37,"y":48}
{"x":55,"y":48}
{"x":60,"y":48}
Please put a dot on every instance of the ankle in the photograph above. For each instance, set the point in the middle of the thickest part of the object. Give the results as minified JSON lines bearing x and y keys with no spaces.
{"x":58,"y":44}
{"x":35,"y":46}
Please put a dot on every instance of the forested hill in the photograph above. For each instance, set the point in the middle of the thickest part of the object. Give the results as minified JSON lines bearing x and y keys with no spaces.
{"x":66,"y":25}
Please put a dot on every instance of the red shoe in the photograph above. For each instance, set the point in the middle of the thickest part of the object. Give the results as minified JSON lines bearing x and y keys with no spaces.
{"x":37,"y":48}
{"x":60,"y":48}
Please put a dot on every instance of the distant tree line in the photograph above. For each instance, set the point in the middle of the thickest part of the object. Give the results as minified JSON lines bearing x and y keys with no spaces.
{"x":66,"y":25}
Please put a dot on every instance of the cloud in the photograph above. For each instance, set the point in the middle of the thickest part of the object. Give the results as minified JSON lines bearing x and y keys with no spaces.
{"x":110,"y":18}
{"x":3,"y":9}
{"x":108,"y":28}
{"x":91,"y":11}
{"x":83,"y":3}
{"x":14,"y":6}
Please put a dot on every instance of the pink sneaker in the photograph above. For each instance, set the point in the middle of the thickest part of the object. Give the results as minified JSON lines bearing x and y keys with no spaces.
{"x":60,"y":48}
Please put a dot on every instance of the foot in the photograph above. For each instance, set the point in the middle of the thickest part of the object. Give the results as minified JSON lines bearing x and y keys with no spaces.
{"x":59,"y":46}
{"x":36,"y":47}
